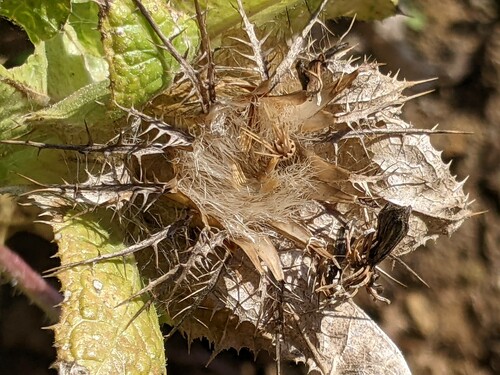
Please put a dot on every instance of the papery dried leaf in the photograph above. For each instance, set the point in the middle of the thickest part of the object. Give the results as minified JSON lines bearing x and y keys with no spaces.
{"x":416,"y":176}
{"x":329,"y":337}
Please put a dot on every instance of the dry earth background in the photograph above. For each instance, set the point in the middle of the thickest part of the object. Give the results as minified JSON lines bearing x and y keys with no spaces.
{"x":451,"y":328}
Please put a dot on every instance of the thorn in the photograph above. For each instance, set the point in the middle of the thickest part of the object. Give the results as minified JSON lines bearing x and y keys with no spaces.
{"x":129,"y":250}
{"x":348,"y":29}
{"x":90,"y":141}
{"x":460,"y":184}
{"x":295,"y":48}
{"x":241,"y":41}
{"x":256,"y":45}
{"x":400,"y":261}
{"x":335,"y":137}
{"x":415,"y":83}
{"x":408,"y":98}
{"x":477,"y":213}
{"x":139,"y":312}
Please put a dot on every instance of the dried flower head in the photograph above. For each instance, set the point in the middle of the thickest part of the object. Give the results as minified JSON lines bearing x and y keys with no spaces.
{"x":271,"y":185}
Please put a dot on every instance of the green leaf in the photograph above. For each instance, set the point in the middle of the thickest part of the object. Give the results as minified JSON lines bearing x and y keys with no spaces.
{"x":60,"y":68}
{"x":49,"y":124}
{"x":23,"y":110}
{"x":286,"y":16}
{"x":41,"y":19}
{"x":94,"y":332}
{"x":73,"y":54}
{"x":30,"y":78}
{"x":70,"y":65}
{"x":46,"y":167}
{"x":85,"y":106}
{"x":365,"y":10}
{"x":139,"y":68}
{"x":22,"y":90}
{"x":84,"y":20}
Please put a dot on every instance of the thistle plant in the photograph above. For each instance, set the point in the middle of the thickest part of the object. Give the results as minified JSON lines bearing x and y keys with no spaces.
{"x":226,"y":168}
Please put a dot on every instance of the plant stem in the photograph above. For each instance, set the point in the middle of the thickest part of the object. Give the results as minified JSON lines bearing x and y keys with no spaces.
{"x":29,"y":282}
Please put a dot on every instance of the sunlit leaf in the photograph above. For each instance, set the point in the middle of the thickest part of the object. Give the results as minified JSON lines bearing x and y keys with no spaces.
{"x":41,"y":19}
{"x":94,"y":331}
